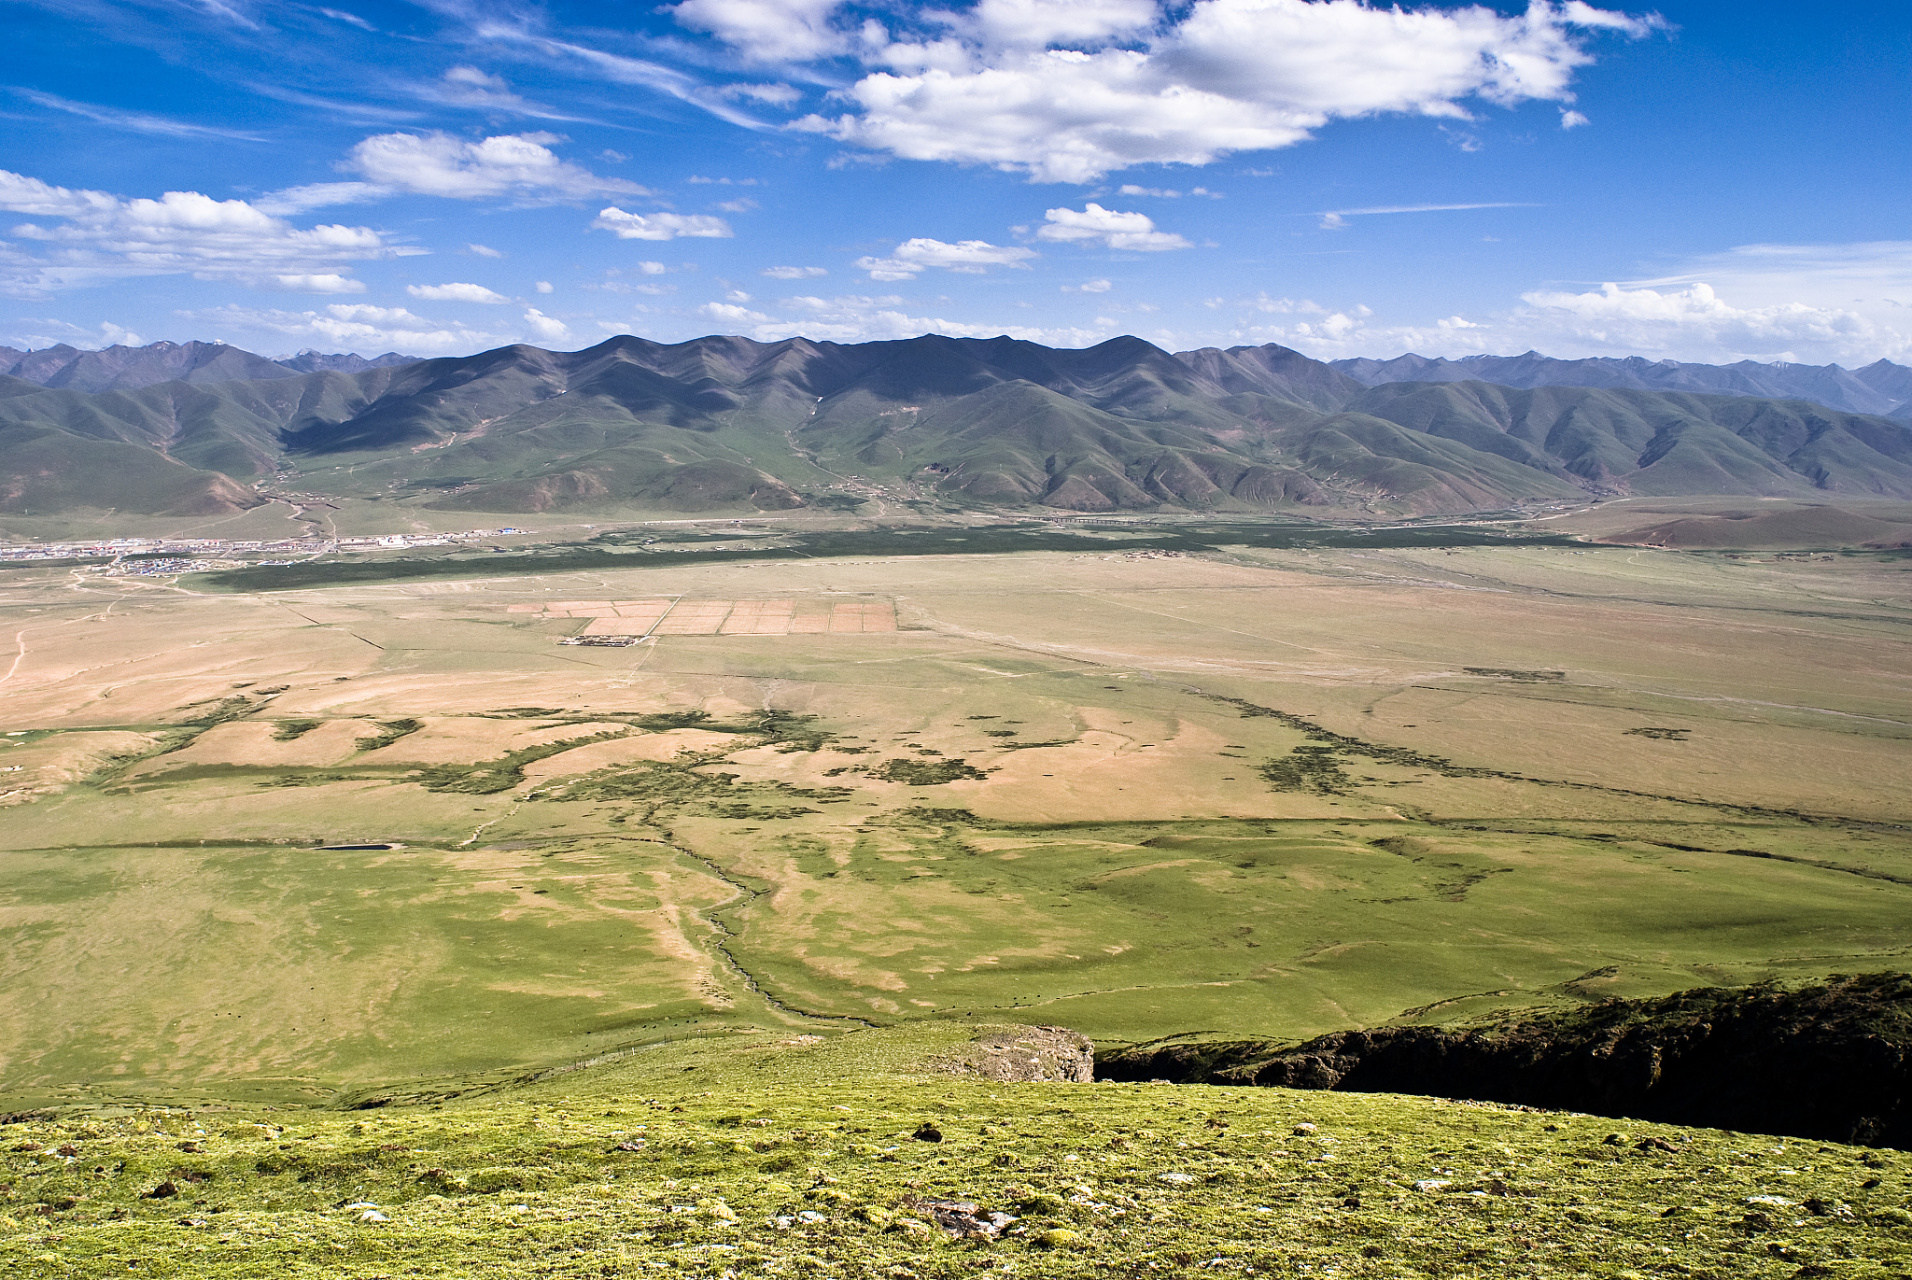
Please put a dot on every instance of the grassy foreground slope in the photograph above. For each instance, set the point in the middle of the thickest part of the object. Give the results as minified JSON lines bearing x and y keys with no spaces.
{"x":774,"y":1155}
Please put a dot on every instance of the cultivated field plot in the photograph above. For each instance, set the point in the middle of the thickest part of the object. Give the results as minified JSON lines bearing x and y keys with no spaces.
{"x":1258,"y":791}
{"x":721,"y":617}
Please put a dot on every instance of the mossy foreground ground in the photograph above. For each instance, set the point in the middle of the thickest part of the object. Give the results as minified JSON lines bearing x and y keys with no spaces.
{"x":781,"y":1156}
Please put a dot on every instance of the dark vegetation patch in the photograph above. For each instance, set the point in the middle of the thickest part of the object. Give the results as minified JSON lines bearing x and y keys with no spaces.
{"x":926,"y":773}
{"x":1659,"y":734}
{"x":292,"y":730}
{"x":389,"y":731}
{"x":1523,"y":677}
{"x":627,"y":551}
{"x":1831,"y":1062}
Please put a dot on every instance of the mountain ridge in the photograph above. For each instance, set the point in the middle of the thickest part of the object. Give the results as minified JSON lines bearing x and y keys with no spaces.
{"x":1881,"y":387}
{"x":728,"y":423}
{"x":124,"y":368}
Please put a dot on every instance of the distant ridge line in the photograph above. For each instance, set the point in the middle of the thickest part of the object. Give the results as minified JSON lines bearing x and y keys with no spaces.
{"x":1881,"y":387}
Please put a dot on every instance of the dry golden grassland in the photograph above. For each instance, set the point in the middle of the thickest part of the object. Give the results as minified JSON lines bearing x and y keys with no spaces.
{"x":1258,"y":792}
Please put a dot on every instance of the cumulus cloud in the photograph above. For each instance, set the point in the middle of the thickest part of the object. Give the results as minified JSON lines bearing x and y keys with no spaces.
{"x":454,"y":293}
{"x":100,"y":236}
{"x":793,"y":273}
{"x":767,"y":30}
{"x":352,"y":327}
{"x":1815,"y":304}
{"x":731,"y":313}
{"x":970,"y":257}
{"x":543,"y":327}
{"x":1696,"y":318}
{"x":1116,"y":230}
{"x":861,"y":318}
{"x":543,"y":286}
{"x":319,"y":282}
{"x":1066,"y":92}
{"x":513,"y":164}
{"x":660,"y":226}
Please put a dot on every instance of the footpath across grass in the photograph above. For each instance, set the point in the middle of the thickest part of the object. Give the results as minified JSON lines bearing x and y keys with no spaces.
{"x":775,"y":1154}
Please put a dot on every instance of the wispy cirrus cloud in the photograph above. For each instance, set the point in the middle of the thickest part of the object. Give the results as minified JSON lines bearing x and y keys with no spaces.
{"x":1337,"y":219}
{"x":132,"y":121}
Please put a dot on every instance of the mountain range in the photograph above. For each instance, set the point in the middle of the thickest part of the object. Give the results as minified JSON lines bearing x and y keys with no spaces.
{"x":725,"y":423}
{"x":1881,"y":387}
{"x":122,"y":368}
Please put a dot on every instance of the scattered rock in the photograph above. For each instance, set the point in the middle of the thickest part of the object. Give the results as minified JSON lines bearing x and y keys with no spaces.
{"x":927,"y":1132}
{"x":67,"y":1149}
{"x":1656,"y":1144}
{"x":164,"y":1191}
{"x":963,"y":1217}
{"x":1303,"y":1129}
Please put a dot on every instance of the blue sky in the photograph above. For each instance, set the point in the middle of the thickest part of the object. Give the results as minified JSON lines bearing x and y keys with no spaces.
{"x":1704,"y":181}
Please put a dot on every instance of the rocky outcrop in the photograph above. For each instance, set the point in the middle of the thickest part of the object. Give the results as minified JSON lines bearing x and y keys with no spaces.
{"x":1021,"y":1055}
{"x":1831,"y":1061}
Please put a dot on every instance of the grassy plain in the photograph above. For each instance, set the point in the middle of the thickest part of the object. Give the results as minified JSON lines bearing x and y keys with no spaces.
{"x":1259,"y":791}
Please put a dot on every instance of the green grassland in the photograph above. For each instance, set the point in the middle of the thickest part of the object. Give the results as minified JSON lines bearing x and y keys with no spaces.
{"x":1262,"y":791}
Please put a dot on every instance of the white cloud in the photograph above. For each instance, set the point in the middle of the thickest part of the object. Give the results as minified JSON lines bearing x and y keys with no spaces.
{"x":1337,"y":219}
{"x":1088,"y":286}
{"x":1814,"y":304}
{"x":1068,"y":92}
{"x":318,"y":195}
{"x":133,"y":121}
{"x":543,"y":286}
{"x":767,"y":30}
{"x":858,"y":318}
{"x":1572,"y":120}
{"x":970,"y":257}
{"x":730,"y":313}
{"x":744,"y":205}
{"x":352,"y":327}
{"x":103,"y":237}
{"x":480,"y":91}
{"x":543,"y":327}
{"x":483,"y":251}
{"x":793,"y":273}
{"x":319,"y":282}
{"x":660,"y":226}
{"x":454,"y":292}
{"x":1116,"y":230}
{"x":437,"y":164}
